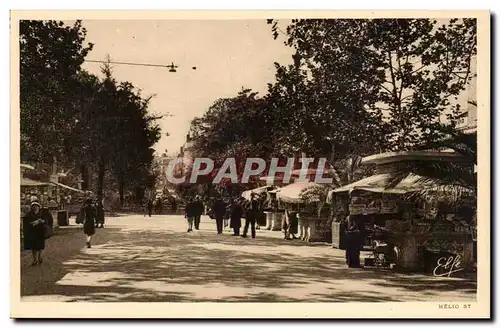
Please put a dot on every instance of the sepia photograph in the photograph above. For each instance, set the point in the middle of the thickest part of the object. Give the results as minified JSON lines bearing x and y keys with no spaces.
{"x":250,"y":164}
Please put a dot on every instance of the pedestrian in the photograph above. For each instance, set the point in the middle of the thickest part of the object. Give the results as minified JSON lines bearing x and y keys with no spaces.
{"x":353,"y":243}
{"x":34,"y":197}
{"x":34,"y":232}
{"x":47,"y":218}
{"x":89,"y":214}
{"x":190,"y":213}
{"x":252,"y":213}
{"x":218,"y":211}
{"x":99,"y":214}
{"x":199,"y":208}
{"x":173,"y":203}
{"x":150,"y":207}
{"x":159,"y":205}
{"x":291,"y":224}
{"x":227,"y":214}
{"x":236,"y":215}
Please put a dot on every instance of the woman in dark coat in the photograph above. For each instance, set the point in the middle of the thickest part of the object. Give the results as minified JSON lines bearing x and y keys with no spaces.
{"x":236,"y":215}
{"x":34,"y":232}
{"x":89,"y":213}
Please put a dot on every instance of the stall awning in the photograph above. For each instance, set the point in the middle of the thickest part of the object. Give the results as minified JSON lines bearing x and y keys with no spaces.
{"x":68,"y":187}
{"x":292,"y":192}
{"x":378,"y":184}
{"x":27,"y":166}
{"x":247,"y":193}
{"x":25,"y":182}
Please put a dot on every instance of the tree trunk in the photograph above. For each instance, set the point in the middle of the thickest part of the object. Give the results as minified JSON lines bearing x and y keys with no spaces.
{"x":100,"y":181}
{"x":85,"y":177}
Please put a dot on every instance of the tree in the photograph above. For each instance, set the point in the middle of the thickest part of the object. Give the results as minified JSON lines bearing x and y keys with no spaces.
{"x":453,"y":178}
{"x":135,"y":127}
{"x":233,"y":127}
{"x":408,"y":70}
{"x":51,"y":55}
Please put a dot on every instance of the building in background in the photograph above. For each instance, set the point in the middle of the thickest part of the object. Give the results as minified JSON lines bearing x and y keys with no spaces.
{"x":186,"y":154}
{"x":467,"y":120}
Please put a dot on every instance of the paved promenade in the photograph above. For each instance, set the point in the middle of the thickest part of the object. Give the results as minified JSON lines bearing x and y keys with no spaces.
{"x":138,"y":259}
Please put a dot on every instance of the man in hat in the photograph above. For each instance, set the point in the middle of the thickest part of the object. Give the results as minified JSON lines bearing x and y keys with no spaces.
{"x":236,"y":215}
{"x":218,"y":211}
{"x":252,"y":213}
{"x":198,"y":208}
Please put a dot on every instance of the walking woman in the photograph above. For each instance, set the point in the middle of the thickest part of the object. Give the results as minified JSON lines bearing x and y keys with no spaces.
{"x":34,"y":232}
{"x":89,"y":213}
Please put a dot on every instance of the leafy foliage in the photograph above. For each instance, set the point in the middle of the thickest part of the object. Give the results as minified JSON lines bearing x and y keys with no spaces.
{"x":410,"y":71}
{"x":81,"y":120}
{"x":51,"y":55}
{"x":454,"y":181}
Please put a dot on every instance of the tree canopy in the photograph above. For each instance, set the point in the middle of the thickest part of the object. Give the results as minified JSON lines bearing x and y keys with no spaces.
{"x":78,"y":118}
{"x":355,"y":87}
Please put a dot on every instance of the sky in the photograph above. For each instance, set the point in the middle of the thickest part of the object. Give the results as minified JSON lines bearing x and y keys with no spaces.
{"x":227,"y":54}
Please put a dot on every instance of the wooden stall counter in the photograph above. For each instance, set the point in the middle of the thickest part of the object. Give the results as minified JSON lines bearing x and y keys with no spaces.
{"x":269,"y":220}
{"x":311,"y":227}
{"x":277,"y":221}
{"x":414,"y":247}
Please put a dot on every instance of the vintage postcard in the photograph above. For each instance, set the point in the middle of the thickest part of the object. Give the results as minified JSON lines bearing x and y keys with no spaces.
{"x":250,"y":164}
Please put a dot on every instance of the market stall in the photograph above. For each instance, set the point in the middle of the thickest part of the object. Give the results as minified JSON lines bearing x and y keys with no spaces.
{"x":415,"y":233}
{"x":269,"y":212}
{"x":295,"y":197}
{"x":31,"y":189}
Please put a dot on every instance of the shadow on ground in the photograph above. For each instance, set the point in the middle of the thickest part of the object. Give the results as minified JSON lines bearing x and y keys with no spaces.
{"x":165,"y":266}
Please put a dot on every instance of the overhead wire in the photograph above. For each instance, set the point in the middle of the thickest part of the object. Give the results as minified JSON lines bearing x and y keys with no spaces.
{"x":131,"y":63}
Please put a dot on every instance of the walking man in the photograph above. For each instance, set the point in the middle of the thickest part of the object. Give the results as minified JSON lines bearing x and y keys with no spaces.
{"x":190,"y":213}
{"x":199,"y":208}
{"x":236,"y":214}
{"x":150,"y":207}
{"x":252,"y":212}
{"x":218,"y":211}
